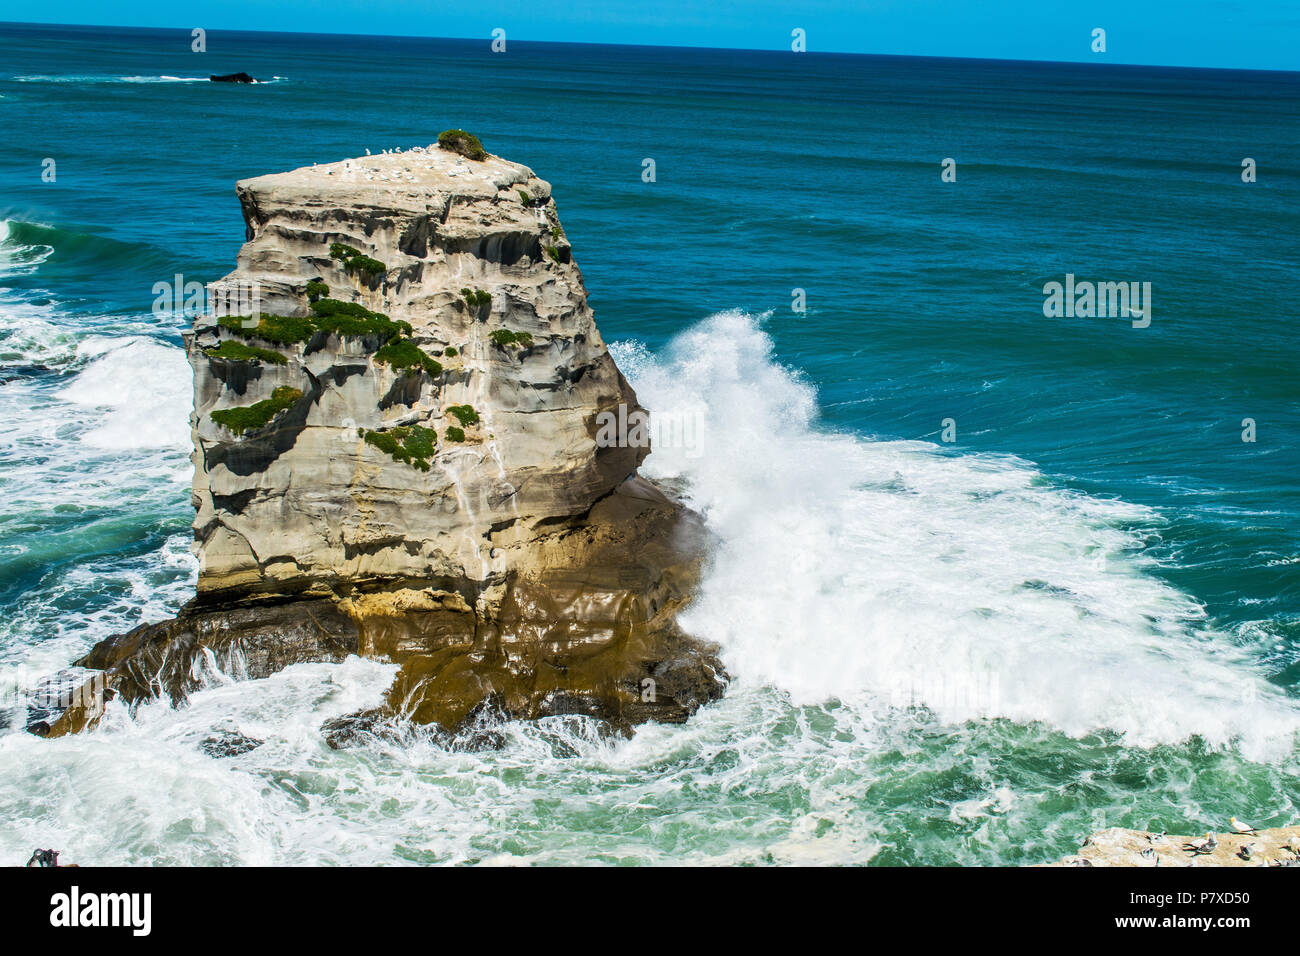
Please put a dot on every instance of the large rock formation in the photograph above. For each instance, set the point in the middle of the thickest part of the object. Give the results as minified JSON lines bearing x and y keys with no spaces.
{"x":396,"y":455}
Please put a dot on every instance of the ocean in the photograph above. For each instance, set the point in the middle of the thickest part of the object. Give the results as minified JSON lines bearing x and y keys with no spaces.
{"x":987,"y":580}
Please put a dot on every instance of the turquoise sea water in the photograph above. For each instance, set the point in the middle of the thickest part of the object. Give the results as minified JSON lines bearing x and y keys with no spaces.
{"x":1083,"y":612}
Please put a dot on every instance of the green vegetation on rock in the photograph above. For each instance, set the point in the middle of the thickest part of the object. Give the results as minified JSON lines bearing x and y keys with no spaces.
{"x":330,"y":315}
{"x":248,"y":417}
{"x":317,"y":289}
{"x":403,"y":354}
{"x":344,"y":319}
{"x":449,"y":351}
{"x":281,"y":329}
{"x":353,"y":318}
{"x":412,"y":444}
{"x":366,"y":266}
{"x":459,"y":141}
{"x":476,"y":298}
{"x":526,"y":199}
{"x":465,"y":413}
{"x":455,"y":434}
{"x":553,"y":252}
{"x":234,"y":351}
{"x":504,"y":337}
{"x":354,"y":260}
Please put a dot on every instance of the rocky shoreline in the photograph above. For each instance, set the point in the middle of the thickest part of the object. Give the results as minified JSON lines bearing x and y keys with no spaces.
{"x":396,"y":456}
{"x":1116,"y":846}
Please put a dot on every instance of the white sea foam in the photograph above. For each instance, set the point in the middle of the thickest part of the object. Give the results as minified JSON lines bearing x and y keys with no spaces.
{"x":99,"y":78}
{"x":889,"y":571}
{"x":144,"y":391}
{"x":165,"y":79}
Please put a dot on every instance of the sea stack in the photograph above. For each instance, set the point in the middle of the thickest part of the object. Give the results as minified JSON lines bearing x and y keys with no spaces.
{"x":396,"y":455}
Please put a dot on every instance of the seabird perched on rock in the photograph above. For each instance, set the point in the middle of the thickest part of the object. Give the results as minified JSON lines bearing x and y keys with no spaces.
{"x":1247,"y":851}
{"x":1151,"y":856}
{"x":1200,"y":847}
{"x":1154,"y":838}
{"x":44,"y":858}
{"x":1239,"y":826}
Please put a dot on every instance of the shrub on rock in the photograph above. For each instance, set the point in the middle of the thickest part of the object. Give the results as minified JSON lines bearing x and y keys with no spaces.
{"x":459,"y":141}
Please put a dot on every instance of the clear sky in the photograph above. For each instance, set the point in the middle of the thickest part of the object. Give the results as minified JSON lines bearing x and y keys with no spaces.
{"x":1253,"y":34}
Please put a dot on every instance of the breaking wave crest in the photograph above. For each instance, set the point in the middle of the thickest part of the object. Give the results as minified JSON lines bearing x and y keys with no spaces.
{"x":894,"y":573}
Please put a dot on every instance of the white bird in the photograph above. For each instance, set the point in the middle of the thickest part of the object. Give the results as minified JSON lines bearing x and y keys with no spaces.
{"x":1154,"y":838}
{"x":1247,"y":851}
{"x":1293,"y":845}
{"x":1208,"y":845}
{"x":1239,"y":826}
{"x":1150,"y":855}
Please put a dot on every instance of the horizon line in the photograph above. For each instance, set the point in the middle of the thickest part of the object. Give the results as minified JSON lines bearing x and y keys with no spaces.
{"x":653,"y":46}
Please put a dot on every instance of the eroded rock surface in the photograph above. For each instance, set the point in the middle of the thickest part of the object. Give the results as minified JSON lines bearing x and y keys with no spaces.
{"x":1279,"y":846}
{"x":396,"y":455}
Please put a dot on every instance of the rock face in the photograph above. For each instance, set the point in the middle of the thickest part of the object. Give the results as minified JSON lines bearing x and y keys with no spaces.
{"x":395,"y":429}
{"x":1119,"y":847}
{"x":305,"y":505}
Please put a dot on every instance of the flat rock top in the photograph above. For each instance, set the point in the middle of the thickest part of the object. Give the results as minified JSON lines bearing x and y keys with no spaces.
{"x":421,"y":170}
{"x":1120,"y":847}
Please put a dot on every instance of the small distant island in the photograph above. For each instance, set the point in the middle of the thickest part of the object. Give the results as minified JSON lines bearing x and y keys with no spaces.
{"x":232,"y":78}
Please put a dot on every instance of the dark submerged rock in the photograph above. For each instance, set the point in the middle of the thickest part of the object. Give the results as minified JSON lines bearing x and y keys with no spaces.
{"x":229,"y":743}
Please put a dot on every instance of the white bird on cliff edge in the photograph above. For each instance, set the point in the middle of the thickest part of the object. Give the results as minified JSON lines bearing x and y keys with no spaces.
{"x":1156,"y":837}
{"x":1208,"y":845}
{"x":1239,"y":826}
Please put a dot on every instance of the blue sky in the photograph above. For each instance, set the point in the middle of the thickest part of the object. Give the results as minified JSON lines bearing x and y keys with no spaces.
{"x":1259,"y":34}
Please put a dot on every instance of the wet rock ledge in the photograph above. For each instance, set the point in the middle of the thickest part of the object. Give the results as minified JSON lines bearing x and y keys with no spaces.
{"x":395,"y":456}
